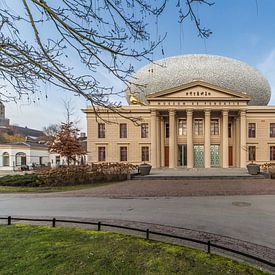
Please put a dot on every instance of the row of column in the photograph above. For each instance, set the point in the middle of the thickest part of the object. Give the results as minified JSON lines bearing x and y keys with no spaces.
{"x":158,"y":133}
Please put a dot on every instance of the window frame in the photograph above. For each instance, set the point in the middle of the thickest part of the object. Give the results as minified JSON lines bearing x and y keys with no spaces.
{"x":249,"y":154}
{"x":99,"y":158}
{"x":123,"y":130}
{"x":182,"y":127}
{"x":144,"y":130}
{"x":120,"y":153}
{"x":6,"y":159}
{"x":272,"y":133}
{"x":101,"y":132}
{"x":143,"y":159}
{"x":215,"y":133}
{"x":251,"y":130}
{"x":200,"y":127}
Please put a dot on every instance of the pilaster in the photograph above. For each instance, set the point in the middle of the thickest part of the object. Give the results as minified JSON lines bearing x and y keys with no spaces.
{"x":207,"y":141}
{"x":225,"y":139}
{"x":189,"y":126}
{"x":172,"y":138}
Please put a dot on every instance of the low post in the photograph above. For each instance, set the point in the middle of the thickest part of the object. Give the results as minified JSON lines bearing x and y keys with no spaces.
{"x":98,"y":226}
{"x":147,"y":234}
{"x":208,"y":247}
{"x":9,"y":220}
{"x":54,"y":220}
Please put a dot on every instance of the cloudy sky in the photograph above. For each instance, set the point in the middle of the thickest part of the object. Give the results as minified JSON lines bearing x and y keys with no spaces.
{"x":243,"y":30}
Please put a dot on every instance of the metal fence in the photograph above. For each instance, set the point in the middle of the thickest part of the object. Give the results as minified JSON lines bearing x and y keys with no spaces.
{"x":147,"y":233}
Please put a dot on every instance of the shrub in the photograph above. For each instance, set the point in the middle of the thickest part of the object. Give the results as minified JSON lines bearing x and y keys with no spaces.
{"x":71,"y":175}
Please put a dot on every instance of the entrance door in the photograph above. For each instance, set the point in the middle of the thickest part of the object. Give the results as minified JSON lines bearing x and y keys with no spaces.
{"x":166,"y":156}
{"x":215,"y":155}
{"x":182,"y":155}
{"x":230,"y":156}
{"x":199,"y":155}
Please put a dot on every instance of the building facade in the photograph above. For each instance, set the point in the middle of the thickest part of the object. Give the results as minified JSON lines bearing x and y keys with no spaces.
{"x":192,"y":111}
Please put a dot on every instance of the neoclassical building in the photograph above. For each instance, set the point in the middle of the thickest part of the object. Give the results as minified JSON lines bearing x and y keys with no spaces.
{"x":193,"y":111}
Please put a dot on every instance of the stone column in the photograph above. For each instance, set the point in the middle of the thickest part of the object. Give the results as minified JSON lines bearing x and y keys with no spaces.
{"x":243,"y":148}
{"x":162,"y":142}
{"x":207,"y":142}
{"x":172,"y":138}
{"x":189,"y":126}
{"x":225,"y":139}
{"x":158,"y":142}
{"x":153,"y":138}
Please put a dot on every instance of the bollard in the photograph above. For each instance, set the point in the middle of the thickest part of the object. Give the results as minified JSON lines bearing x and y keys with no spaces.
{"x":9,"y":220}
{"x":98,"y":226}
{"x":147,"y":234}
{"x":208,"y":247}
{"x":54,"y":220}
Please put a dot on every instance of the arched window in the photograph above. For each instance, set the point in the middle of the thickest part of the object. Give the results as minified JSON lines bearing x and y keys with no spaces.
{"x":21,"y":159}
{"x":6,"y":159}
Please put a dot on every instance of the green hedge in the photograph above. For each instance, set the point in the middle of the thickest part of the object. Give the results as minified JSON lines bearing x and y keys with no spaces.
{"x":30,"y":180}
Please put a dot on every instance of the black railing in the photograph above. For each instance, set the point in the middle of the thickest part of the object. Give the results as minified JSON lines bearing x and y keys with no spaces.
{"x":208,"y":244}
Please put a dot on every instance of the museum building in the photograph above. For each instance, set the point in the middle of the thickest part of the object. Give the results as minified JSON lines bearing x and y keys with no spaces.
{"x":190,"y":111}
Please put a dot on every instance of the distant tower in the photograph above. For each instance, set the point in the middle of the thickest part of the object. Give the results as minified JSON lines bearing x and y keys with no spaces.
{"x":3,"y":121}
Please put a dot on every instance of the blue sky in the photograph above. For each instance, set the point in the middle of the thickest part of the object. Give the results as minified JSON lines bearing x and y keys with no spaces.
{"x":244,"y":30}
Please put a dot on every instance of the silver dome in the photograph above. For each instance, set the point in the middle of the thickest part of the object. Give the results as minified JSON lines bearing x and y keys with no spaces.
{"x":217,"y":70}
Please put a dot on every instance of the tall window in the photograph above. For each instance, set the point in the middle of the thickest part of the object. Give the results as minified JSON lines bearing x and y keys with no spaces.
{"x":272,"y":152}
{"x":6,"y":159}
{"x":214,"y":127}
{"x":251,"y":153}
{"x":272,"y":129}
{"x":123,"y":130}
{"x":251,"y":130}
{"x":167,"y":130}
{"x":144,"y":130}
{"x":229,"y":130}
{"x":144,"y":153}
{"x":198,"y":127}
{"x":101,"y":153}
{"x":182,"y":127}
{"x":123,"y":153}
{"x":101,"y":130}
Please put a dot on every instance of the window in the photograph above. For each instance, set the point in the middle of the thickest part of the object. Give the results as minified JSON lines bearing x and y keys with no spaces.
{"x":101,"y":130}
{"x":198,"y":127}
{"x":144,"y":153}
{"x":229,"y":130}
{"x":182,"y":127}
{"x":20,"y":159}
{"x":123,"y":130}
{"x":272,"y":129}
{"x":123,"y":153}
{"x":251,"y":153}
{"x":251,"y":130}
{"x":57,"y":160}
{"x":144,"y":130}
{"x":6,"y":159}
{"x":101,"y":153}
{"x":167,"y":130}
{"x":214,"y":127}
{"x":272,"y":152}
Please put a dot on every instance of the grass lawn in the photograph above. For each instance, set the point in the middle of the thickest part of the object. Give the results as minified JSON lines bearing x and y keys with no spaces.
{"x":26,"y":249}
{"x":26,"y":189}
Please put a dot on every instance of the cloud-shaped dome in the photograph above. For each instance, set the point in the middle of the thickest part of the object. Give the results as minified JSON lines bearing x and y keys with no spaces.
{"x":217,"y":70}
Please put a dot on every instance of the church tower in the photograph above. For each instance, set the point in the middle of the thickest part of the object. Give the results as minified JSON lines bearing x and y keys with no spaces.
{"x":3,"y":121}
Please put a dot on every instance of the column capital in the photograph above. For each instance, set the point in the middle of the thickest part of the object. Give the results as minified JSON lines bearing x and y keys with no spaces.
{"x":225,"y":112}
{"x":172,"y":111}
{"x":207,"y":112}
{"x":189,"y":112}
{"x":243,"y":112}
{"x":153,"y":112}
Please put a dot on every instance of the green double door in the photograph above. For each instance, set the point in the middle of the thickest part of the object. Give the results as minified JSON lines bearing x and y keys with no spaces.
{"x":198,"y":156}
{"x":214,"y":155}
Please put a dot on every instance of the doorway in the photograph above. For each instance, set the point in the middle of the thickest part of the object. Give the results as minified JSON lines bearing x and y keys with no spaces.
{"x":182,"y":155}
{"x":199,"y":155}
{"x":166,"y":156}
{"x":215,"y":155}
{"x":230,"y":156}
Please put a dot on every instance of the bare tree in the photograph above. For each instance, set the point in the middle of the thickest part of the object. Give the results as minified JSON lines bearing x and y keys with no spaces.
{"x":105,"y":35}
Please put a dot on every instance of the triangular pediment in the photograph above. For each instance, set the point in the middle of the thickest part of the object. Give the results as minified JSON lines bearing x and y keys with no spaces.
{"x":198,"y":90}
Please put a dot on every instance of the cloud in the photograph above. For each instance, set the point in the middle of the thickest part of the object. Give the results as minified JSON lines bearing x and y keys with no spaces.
{"x":267,"y":67}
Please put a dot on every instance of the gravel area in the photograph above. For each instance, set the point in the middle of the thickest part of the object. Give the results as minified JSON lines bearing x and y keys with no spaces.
{"x":175,"y":188}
